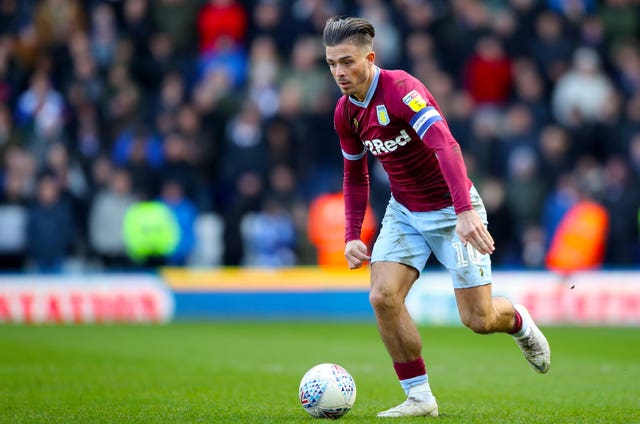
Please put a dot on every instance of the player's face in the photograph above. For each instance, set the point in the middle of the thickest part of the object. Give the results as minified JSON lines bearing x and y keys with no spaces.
{"x":351,"y":67}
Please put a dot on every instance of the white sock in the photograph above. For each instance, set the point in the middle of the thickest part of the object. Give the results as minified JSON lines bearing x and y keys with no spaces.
{"x":417,"y":388}
{"x":421,"y":392}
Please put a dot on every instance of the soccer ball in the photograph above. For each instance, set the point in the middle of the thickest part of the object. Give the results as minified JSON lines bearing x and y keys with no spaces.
{"x":327,"y":391}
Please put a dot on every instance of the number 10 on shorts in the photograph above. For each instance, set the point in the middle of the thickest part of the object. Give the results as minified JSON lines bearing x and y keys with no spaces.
{"x":472,"y":254}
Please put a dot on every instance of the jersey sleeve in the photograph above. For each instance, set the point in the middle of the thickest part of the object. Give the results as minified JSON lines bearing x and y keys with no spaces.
{"x":355,"y":183}
{"x":416,"y":106}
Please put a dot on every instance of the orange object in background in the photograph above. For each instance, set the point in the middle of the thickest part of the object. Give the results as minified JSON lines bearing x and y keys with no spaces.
{"x":579,"y":241}
{"x":326,"y":224}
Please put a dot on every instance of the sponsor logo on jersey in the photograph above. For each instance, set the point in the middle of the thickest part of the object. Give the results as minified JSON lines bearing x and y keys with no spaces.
{"x":378,"y":147}
{"x":414,"y":100}
{"x":383,"y":115}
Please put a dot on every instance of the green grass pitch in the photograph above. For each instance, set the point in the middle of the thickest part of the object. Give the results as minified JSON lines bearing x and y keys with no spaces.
{"x":249,"y":373}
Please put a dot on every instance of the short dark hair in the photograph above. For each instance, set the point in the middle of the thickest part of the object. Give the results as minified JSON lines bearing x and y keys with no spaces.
{"x":338,"y":30}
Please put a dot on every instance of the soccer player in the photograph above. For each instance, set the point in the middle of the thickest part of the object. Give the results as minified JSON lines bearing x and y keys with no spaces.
{"x":433,"y":208}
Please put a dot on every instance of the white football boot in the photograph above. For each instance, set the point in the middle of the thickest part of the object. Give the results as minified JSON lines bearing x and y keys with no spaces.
{"x":533,"y":344}
{"x":412,"y":407}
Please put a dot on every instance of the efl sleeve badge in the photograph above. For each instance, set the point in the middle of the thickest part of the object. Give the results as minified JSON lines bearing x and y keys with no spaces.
{"x":415,"y":101}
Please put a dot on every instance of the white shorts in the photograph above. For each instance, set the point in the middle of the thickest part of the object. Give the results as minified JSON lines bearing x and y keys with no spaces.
{"x":410,"y":237}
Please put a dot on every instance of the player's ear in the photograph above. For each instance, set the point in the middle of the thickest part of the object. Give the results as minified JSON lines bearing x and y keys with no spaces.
{"x":371,"y":56}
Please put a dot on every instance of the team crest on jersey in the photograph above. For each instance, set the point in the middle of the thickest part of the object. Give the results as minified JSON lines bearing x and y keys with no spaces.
{"x":415,"y":101}
{"x":355,"y":124}
{"x":383,"y":115}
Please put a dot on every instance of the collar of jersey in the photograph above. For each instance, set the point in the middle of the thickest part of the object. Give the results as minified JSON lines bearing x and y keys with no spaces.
{"x":370,"y":91}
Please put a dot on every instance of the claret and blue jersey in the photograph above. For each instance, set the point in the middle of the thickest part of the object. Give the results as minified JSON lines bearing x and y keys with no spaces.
{"x":400,"y":123}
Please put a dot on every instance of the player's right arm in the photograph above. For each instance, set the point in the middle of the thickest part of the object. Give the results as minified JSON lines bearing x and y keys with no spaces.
{"x":355,"y":186}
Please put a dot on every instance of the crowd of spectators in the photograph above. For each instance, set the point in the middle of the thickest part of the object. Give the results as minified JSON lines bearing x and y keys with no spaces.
{"x":222,"y":111}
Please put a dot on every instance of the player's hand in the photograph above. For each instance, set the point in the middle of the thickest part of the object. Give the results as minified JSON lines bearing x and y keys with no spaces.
{"x":356,"y":253}
{"x":470,"y":229}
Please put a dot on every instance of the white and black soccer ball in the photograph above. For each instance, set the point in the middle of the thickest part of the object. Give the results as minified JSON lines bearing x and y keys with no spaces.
{"x":327,"y":391}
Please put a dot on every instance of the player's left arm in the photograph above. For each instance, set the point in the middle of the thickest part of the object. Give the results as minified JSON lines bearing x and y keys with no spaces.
{"x":469,"y":227}
{"x":428,"y":123}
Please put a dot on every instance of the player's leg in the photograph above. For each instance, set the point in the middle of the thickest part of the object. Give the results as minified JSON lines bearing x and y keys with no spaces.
{"x":400,"y":250}
{"x":471,"y":275}
{"x":484,"y":314}
{"x":390,"y":283}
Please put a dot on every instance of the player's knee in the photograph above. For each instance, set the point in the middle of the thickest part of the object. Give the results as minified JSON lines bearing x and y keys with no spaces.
{"x":382,"y":299}
{"x":477,"y":323}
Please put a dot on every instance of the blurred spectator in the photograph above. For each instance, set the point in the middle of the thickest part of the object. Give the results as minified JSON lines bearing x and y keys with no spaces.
{"x":171,"y":96}
{"x":525,"y":191}
{"x":621,"y":199}
{"x":326,"y":223}
{"x":9,"y":73}
{"x":67,"y":170}
{"x":634,"y":157}
{"x":529,"y":89}
{"x":104,"y":34}
{"x":626,"y":60}
{"x":50,"y":228}
{"x":465,"y":23}
{"x":179,"y":164}
{"x":592,"y":35}
{"x":564,"y":196}
{"x":8,"y":133}
{"x":56,"y":20}
{"x":121,"y":106}
{"x":556,"y":151}
{"x":106,"y":220}
{"x":137,"y":24}
{"x":518,"y":128}
{"x":158,"y":57}
{"x":589,"y":176}
{"x":459,"y":110}
{"x":379,"y":13}
{"x":100,"y":173}
{"x":579,"y":241}
{"x":485,"y":145}
{"x":307,"y":74}
{"x":573,"y":10}
{"x":244,"y":149}
{"x":621,"y":19}
{"x":579,"y":94}
{"x":12,"y":16}
{"x":264,"y":74}
{"x":84,"y":86}
{"x":142,"y":160}
{"x":202,"y":149}
{"x":222,"y":28}
{"x":15,"y":191}
{"x":177,"y":19}
{"x":151,"y":233}
{"x":501,"y":222}
{"x":222,"y":22}
{"x":487,"y":73}
{"x":269,"y":236}
{"x":247,"y":198}
{"x":269,"y":20}
{"x":504,"y":24}
{"x":551,"y":48}
{"x":40,"y":113}
{"x":185,"y":213}
{"x":137,"y":137}
{"x":533,"y":247}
